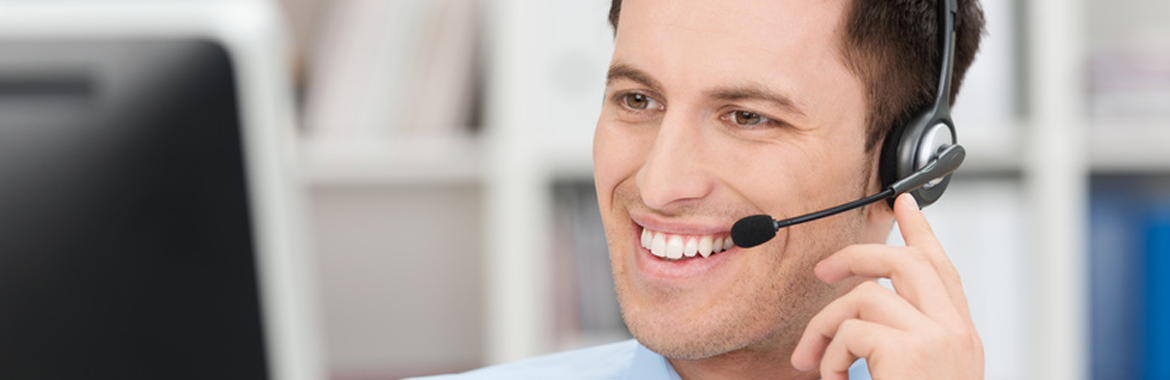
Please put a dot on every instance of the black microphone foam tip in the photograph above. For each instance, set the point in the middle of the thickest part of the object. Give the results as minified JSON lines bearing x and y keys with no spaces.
{"x":753,"y":230}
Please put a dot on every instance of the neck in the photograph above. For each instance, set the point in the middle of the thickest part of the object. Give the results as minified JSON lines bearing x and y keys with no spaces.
{"x":745,"y":364}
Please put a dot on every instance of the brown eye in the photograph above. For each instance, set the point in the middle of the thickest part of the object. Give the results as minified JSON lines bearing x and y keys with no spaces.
{"x":746,"y":118}
{"x":637,"y":101}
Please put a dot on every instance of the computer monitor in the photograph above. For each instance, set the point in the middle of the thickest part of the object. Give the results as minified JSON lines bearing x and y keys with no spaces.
{"x":148,"y":203}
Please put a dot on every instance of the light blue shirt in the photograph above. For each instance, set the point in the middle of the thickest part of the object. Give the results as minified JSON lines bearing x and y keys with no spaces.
{"x":625,"y":360}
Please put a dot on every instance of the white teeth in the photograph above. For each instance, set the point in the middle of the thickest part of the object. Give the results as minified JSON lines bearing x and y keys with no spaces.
{"x":691,"y":248}
{"x":658,"y":245}
{"x":705,"y":246}
{"x":674,"y":247}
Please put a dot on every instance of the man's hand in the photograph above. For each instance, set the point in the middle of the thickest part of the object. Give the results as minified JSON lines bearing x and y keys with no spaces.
{"x":922,"y":331}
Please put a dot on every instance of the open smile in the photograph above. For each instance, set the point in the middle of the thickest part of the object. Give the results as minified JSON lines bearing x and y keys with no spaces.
{"x":676,"y":256}
{"x":680,"y":247}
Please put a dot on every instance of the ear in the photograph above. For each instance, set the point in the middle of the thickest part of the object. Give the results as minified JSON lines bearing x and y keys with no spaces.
{"x":879,"y":221}
{"x":879,"y":217}
{"x":879,"y":213}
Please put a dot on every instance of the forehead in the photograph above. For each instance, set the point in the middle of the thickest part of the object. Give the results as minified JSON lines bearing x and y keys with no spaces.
{"x":795,"y":22}
{"x":793,"y":45}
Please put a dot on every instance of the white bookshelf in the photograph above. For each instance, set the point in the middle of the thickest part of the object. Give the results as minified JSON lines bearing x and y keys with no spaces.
{"x":546,"y":62}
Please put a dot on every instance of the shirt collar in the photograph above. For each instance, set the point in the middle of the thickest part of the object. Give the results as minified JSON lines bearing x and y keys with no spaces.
{"x":648,"y":365}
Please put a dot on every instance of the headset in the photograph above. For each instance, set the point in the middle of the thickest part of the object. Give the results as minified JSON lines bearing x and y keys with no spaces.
{"x":910,"y":147}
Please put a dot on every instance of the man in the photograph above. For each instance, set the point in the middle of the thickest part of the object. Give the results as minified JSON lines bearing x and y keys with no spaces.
{"x":716,"y":110}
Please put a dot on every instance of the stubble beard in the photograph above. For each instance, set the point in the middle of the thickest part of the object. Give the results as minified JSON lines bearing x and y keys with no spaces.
{"x":763,"y":315}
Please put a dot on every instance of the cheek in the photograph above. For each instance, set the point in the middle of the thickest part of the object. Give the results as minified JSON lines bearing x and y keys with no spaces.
{"x":772,"y":178}
{"x":618,"y":154}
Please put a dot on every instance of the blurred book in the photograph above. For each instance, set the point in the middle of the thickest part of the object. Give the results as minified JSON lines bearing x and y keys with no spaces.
{"x":1130,"y":82}
{"x":393,"y":69}
{"x":1115,"y":278}
{"x":1129,"y":292}
{"x":1158,"y":289}
{"x":1128,"y":67}
{"x":587,"y":309}
{"x":1128,"y":62}
{"x":442,"y":93}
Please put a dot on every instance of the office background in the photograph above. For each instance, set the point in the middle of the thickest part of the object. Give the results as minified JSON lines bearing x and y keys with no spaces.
{"x":1054,"y":220}
{"x":416,"y":115}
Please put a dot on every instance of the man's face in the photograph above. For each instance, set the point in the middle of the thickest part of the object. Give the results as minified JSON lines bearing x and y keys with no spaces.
{"x":717,"y":110}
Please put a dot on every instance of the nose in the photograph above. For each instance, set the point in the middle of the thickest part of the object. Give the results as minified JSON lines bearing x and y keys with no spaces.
{"x":673,"y":173}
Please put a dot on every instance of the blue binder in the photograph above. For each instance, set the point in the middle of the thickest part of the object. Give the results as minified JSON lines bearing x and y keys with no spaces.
{"x":1116,"y":281}
{"x":1157,"y":290}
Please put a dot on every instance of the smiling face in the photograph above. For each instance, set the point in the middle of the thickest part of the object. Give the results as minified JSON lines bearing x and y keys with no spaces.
{"x":717,"y":110}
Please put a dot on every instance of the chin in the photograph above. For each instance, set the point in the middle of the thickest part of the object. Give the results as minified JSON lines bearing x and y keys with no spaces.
{"x":679,"y":330}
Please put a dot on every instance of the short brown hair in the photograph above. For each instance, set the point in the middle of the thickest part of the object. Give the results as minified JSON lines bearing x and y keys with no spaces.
{"x":892,"y":46}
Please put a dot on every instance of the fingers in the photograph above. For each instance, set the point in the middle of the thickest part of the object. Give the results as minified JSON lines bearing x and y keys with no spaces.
{"x":917,"y":233}
{"x":914,"y":277}
{"x":921,"y":271}
{"x":869,"y":302}
{"x":857,"y":339}
{"x":912,"y":223}
{"x":922,"y":329}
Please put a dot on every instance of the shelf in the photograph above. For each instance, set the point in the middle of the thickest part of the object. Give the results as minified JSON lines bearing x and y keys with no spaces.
{"x":991,"y":148}
{"x":1128,"y":147}
{"x":1112,"y":147}
{"x":391,"y":162}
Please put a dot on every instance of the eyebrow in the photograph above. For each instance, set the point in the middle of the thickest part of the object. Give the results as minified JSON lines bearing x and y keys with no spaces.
{"x":625,"y":71}
{"x":740,"y":92}
{"x":758,"y":92}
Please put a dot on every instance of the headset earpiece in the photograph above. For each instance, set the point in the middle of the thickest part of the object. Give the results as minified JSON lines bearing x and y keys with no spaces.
{"x":911,"y":147}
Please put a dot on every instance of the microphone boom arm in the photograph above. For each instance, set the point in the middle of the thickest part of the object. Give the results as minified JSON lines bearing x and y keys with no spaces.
{"x":751,"y":231}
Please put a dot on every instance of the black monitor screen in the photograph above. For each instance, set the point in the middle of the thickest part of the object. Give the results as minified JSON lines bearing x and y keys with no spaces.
{"x":126,"y":246}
